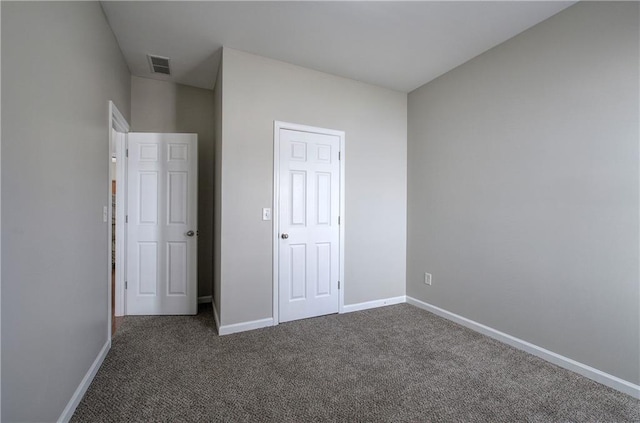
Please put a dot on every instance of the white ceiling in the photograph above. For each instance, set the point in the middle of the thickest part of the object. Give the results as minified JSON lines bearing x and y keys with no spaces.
{"x":399,"y":45}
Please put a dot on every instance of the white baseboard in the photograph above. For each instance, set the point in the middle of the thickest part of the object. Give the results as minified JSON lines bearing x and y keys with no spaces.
{"x":216,"y":316}
{"x":239,"y":327}
{"x":557,"y":359}
{"x":205,"y":299}
{"x":263,"y":323}
{"x":374,"y":304}
{"x":68,"y":411}
{"x":245,"y":326}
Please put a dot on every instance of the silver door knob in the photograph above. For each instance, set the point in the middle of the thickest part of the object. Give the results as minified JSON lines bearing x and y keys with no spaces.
{"x":191,"y":233}
{"x":284,"y":236}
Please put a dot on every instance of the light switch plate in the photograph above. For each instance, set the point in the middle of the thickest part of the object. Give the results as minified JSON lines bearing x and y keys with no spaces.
{"x":105,"y":214}
{"x":266,"y":214}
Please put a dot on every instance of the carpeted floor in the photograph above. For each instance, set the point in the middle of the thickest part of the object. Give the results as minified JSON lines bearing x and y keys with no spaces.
{"x":391,"y":364}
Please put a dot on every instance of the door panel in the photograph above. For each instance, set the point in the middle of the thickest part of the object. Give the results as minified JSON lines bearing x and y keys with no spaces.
{"x":147,"y":268}
{"x":176,"y":268}
{"x":298,"y":272}
{"x":323,"y":188}
{"x":162,"y":200}
{"x":308,"y":265}
{"x":298,"y":198}
{"x":323,"y":260}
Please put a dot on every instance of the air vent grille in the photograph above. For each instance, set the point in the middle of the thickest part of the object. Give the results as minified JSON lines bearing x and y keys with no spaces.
{"x":159,"y":64}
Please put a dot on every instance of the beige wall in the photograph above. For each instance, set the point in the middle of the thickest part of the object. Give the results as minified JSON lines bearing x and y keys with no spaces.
{"x":523,"y":187}
{"x":160,"y":106}
{"x":258,"y":91}
{"x":60,"y":66}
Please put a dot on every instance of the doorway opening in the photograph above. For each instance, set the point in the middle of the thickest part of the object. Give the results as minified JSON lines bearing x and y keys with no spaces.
{"x":118,"y":129}
{"x":152,"y":229}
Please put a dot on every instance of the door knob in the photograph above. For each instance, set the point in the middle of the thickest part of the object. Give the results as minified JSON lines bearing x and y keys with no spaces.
{"x":284,"y":236}
{"x":191,"y":233}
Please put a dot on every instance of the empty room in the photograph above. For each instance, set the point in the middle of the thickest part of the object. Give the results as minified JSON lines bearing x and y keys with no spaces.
{"x":292,"y":211}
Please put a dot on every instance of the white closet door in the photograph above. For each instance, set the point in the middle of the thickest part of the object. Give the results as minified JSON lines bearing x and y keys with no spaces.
{"x":309,"y":233}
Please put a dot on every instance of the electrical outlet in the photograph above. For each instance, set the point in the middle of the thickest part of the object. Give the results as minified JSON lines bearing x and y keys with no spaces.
{"x":427,"y":278}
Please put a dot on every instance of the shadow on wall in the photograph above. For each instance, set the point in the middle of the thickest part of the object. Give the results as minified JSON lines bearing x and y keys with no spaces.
{"x":194,"y":113}
{"x":162,"y":106}
{"x":208,"y":66}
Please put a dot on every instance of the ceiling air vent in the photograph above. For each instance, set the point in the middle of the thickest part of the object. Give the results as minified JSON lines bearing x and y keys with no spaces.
{"x":159,"y":64}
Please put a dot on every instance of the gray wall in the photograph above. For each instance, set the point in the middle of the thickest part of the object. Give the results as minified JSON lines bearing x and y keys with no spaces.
{"x":258,"y":91}
{"x":60,"y":67}
{"x":160,"y":106}
{"x":523,"y":188}
{"x":217,"y":191}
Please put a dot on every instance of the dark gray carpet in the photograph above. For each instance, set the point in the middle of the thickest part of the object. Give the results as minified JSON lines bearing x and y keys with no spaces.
{"x":391,"y":364}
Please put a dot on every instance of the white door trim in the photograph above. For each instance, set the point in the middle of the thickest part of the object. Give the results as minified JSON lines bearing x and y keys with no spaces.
{"x":277,"y":126}
{"x":120,"y":124}
{"x":121,"y":245}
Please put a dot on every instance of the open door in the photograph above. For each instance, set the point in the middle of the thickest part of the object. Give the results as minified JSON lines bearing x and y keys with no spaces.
{"x":161,"y":224}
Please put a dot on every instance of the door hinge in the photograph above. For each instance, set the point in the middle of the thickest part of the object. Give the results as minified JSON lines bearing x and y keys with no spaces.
{"x":126,"y":285}
{"x":339,"y":155}
{"x":126,"y":219}
{"x":126,"y":153}
{"x":338,"y":284}
{"x":338,"y":220}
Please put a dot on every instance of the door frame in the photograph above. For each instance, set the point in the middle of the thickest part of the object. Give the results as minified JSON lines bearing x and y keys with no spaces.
{"x":121,"y":232}
{"x":275,"y":215}
{"x":120,"y":124}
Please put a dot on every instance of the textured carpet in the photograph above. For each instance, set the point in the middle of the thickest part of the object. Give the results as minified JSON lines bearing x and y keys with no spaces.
{"x":392,"y":364}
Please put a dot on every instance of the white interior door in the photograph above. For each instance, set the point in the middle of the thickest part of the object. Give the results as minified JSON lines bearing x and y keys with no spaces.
{"x":309,"y":243}
{"x":162,"y":224}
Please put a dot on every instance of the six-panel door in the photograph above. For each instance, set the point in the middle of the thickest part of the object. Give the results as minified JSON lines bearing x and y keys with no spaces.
{"x":162,"y":224}
{"x":309,"y":205}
